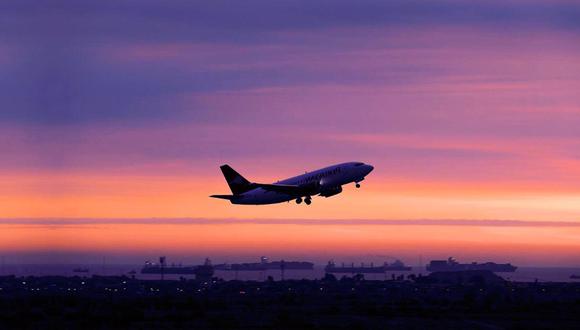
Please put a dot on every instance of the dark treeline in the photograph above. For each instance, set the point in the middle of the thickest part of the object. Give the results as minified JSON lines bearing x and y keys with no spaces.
{"x":476,"y":300}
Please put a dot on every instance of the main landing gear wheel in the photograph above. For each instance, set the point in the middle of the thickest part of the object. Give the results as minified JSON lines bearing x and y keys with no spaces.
{"x":299,"y":200}
{"x":357,"y":185}
{"x":308,"y":200}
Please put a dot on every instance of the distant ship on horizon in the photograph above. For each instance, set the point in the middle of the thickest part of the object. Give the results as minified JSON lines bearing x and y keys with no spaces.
{"x":398,"y":265}
{"x":265,"y":264}
{"x":153,"y":268}
{"x":200,"y":271}
{"x":452,"y":265}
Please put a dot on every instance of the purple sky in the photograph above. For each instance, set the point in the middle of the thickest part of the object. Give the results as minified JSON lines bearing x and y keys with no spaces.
{"x":208,"y":81}
{"x":125,"y":109}
{"x":469,"y":92}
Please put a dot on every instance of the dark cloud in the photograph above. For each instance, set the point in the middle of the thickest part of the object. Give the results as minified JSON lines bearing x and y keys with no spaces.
{"x":242,"y":21}
{"x":54,"y":74}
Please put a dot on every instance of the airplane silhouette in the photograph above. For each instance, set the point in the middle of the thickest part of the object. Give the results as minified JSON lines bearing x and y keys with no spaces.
{"x":324,"y":182}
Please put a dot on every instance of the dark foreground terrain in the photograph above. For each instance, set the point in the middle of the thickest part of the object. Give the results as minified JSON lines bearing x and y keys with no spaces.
{"x":441,"y":301}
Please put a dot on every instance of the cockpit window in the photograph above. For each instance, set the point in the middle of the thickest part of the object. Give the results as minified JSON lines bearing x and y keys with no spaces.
{"x":358,"y":164}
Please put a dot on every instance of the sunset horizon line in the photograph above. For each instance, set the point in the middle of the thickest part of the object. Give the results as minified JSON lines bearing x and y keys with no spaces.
{"x":286,"y":221}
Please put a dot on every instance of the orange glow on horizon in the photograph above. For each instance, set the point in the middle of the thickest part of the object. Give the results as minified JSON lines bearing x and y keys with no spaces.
{"x":527,"y":245}
{"x":146,"y":196}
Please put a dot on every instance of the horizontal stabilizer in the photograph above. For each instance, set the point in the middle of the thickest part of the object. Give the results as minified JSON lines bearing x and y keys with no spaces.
{"x":228,"y":197}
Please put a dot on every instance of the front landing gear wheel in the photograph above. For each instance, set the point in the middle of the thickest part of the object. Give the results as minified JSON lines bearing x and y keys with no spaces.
{"x":357,"y":185}
{"x":299,"y":200}
{"x":308,"y":200}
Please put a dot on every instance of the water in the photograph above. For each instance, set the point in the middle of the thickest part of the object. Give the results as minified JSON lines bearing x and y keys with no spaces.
{"x":523,"y":274}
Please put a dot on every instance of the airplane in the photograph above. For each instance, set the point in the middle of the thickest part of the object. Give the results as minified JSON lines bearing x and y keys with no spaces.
{"x":324,"y":182}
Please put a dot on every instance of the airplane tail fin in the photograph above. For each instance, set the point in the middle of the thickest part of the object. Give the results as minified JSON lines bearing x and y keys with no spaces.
{"x":228,"y":197}
{"x":238,"y":184}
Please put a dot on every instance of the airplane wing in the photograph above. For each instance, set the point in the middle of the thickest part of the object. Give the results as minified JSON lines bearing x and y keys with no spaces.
{"x":287,"y":188}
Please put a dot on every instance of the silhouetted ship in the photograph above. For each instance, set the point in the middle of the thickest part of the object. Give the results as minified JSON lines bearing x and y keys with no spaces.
{"x":80,"y":270}
{"x":575,"y":277}
{"x":205,"y":270}
{"x":152,"y":268}
{"x":452,"y":265}
{"x":264,"y":264}
{"x":398,"y":265}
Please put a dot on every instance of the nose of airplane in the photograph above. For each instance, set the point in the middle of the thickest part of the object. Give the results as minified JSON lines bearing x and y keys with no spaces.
{"x":369,"y":168}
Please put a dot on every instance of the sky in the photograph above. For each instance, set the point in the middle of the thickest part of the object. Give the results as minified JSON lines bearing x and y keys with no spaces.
{"x":468,"y":111}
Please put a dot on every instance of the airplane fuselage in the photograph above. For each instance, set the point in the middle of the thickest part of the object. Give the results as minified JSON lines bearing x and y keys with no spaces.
{"x":325,"y":182}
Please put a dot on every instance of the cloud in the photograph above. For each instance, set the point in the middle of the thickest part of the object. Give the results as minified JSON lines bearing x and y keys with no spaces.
{"x":222,"y":20}
{"x":478,"y":93}
{"x":127,"y":61}
{"x":303,"y":222}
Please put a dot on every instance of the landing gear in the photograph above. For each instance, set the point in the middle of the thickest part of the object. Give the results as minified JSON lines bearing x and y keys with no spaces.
{"x":357,"y":185}
{"x":307,"y":200}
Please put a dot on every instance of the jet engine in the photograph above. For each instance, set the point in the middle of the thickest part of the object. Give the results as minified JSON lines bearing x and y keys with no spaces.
{"x":328,"y":183}
{"x":329,"y":186}
{"x":331,"y":191}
